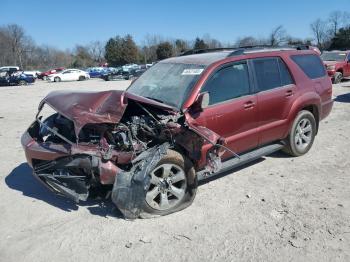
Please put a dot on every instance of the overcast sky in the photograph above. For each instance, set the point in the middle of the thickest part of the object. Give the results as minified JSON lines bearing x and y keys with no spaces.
{"x":65,"y":23}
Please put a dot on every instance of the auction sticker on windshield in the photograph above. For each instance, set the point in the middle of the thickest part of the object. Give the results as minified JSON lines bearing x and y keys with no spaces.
{"x":192,"y":71}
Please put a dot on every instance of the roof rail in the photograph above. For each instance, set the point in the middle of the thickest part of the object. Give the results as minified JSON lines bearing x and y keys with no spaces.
{"x":241,"y":50}
{"x":207,"y":50}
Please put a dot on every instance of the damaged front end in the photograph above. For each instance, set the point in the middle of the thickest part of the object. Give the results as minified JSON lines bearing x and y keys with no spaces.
{"x":99,"y":139}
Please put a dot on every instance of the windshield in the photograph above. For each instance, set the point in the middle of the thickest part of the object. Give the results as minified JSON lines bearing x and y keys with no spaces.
{"x":168,"y":83}
{"x":333,"y":56}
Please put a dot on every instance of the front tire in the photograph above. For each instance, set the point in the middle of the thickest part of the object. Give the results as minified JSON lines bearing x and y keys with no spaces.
{"x":302,"y":134}
{"x":81,"y":78}
{"x":173,"y":186}
{"x":338,"y":76}
{"x":57,"y":79}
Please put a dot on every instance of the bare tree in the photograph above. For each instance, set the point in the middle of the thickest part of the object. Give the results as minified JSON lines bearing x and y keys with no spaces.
{"x":335,"y":20}
{"x":278,"y":36}
{"x":211,"y":42}
{"x":319,"y":30}
{"x":246,"y":41}
{"x":96,"y":50}
{"x":17,"y":38}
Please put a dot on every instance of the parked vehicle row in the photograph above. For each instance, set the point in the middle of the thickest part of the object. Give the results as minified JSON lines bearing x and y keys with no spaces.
{"x":122,"y":74}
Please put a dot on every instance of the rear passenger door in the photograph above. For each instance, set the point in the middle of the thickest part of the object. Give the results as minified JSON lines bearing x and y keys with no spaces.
{"x":275,"y":94}
{"x":232,"y":107}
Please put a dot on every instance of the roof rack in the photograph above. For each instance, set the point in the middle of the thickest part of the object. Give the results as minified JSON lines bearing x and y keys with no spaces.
{"x":207,"y":50}
{"x":241,"y":50}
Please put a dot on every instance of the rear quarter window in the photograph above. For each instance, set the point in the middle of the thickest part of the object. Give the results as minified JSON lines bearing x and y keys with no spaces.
{"x":311,"y":65}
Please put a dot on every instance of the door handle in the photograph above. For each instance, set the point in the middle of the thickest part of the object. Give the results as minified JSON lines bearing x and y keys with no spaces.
{"x":249,"y":104}
{"x":289,"y":93}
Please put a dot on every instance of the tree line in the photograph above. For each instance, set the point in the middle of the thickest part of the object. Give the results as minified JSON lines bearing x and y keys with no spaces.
{"x":18,"y":48}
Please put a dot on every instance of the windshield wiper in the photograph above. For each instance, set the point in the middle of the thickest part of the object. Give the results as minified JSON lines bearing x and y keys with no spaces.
{"x":155,"y":99}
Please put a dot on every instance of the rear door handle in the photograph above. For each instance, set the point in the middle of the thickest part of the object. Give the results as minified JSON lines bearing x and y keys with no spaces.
{"x":249,"y":104}
{"x":289,"y":93}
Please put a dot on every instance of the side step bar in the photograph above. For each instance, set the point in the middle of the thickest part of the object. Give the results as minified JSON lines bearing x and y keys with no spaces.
{"x":244,"y":159}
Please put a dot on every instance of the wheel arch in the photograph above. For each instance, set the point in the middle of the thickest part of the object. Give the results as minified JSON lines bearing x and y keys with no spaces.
{"x":313,"y":109}
{"x":309,"y":101}
{"x":340,"y":69}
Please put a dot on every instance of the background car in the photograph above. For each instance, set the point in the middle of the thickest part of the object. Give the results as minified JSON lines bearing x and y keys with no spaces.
{"x":45,"y":74}
{"x":13,"y":68}
{"x":337,"y":64}
{"x":9,"y":76}
{"x":32,"y":73}
{"x":69,"y":75}
{"x":96,"y":72}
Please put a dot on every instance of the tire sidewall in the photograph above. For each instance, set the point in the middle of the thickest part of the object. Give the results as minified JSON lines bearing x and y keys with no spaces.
{"x":173,"y":157}
{"x":57,"y":79}
{"x":22,"y":83}
{"x":337,"y":77}
{"x":302,"y":114}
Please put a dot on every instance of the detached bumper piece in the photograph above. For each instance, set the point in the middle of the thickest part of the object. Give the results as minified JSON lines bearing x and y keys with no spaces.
{"x":72,"y":187}
{"x":130,"y":187}
{"x":68,"y":176}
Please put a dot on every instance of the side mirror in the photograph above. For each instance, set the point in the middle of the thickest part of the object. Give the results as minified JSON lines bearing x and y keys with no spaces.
{"x":201,"y":102}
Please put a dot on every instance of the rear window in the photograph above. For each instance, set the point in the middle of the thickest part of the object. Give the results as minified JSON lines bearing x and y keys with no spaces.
{"x":311,"y":65}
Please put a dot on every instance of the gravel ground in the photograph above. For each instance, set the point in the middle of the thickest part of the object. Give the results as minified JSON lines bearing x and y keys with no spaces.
{"x":276,"y":209}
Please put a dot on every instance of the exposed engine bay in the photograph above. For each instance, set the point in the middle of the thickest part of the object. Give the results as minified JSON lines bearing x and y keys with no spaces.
{"x":108,"y":146}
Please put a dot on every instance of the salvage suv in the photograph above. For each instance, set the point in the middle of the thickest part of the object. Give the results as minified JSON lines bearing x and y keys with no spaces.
{"x":185,"y":119}
{"x":337,"y":64}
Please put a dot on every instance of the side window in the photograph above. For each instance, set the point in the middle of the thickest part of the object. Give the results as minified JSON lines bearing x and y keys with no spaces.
{"x":267,"y":73}
{"x":286,"y":78}
{"x":228,"y":83}
{"x":310,"y":64}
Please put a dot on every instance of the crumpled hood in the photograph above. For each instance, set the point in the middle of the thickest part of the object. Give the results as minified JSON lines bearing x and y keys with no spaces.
{"x":87,"y":107}
{"x":94,"y":107}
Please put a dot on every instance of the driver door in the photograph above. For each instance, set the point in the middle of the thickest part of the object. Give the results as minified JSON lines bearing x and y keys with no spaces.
{"x":232,"y":110}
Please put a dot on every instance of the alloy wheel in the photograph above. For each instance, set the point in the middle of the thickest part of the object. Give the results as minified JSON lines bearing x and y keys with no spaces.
{"x":303,"y":134}
{"x":168,"y":187}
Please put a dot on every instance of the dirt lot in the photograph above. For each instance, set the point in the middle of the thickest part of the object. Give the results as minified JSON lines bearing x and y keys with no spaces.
{"x":276,"y":209}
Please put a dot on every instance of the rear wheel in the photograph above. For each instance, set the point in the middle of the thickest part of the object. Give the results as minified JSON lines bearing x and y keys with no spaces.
{"x":57,"y":79}
{"x":82,"y":78}
{"x":22,"y":83}
{"x":302,"y":134}
{"x":173,"y":186}
{"x":338,"y":76}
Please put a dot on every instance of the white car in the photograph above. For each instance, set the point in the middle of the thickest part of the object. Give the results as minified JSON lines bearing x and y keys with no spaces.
{"x":69,"y":75}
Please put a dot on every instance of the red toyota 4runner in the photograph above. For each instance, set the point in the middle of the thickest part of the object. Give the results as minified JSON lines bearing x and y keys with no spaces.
{"x":337,"y":64}
{"x":185,"y":119}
